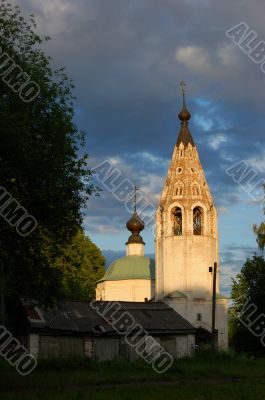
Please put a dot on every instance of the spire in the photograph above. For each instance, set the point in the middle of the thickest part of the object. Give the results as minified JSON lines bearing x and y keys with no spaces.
{"x":184,"y":116}
{"x":135,"y":224}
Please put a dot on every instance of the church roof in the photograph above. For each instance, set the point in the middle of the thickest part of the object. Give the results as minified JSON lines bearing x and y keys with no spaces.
{"x":130,"y":267}
{"x":185,"y":136}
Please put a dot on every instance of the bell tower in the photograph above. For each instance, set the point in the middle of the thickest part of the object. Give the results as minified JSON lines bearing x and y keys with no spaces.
{"x":186,"y":242}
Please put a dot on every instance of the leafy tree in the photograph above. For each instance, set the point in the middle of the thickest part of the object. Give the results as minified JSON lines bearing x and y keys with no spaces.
{"x":81,"y":264}
{"x":260,"y":233}
{"x":248,"y":293}
{"x":40,"y":164}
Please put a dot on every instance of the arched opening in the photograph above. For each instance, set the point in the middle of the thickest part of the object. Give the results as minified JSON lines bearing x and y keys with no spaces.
{"x":202,"y":337}
{"x":197,"y":221}
{"x":177,"y":221}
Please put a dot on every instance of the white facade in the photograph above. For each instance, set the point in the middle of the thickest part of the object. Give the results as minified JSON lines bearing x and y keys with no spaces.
{"x":126,"y":290}
{"x":130,"y":279}
{"x":186,"y":243}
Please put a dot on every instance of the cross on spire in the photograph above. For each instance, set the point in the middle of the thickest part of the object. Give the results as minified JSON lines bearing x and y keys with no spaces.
{"x":135,"y":197}
{"x":182,"y":84}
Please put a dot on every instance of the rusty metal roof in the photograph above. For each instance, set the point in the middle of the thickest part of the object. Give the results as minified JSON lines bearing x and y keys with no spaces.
{"x":93,"y":318}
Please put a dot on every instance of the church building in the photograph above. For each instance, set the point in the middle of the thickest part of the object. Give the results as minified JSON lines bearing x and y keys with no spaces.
{"x":186,"y":246}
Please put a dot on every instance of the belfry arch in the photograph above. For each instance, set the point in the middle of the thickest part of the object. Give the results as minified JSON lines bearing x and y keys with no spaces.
{"x":198,"y":221}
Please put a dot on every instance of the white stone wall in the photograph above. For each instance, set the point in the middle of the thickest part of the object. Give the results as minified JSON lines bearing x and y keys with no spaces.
{"x":134,"y":249}
{"x":126,"y":290}
{"x":190,"y":308}
{"x":182,"y":262}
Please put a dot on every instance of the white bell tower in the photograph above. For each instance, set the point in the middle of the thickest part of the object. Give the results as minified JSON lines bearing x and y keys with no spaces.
{"x":186,"y":242}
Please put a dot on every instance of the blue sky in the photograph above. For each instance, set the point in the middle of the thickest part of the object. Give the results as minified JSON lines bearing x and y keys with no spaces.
{"x":126,"y":59}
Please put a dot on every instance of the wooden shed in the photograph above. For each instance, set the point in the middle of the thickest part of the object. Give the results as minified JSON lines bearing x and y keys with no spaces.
{"x":105,"y":330}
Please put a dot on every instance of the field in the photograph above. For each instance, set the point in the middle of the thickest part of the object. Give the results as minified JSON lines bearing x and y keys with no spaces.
{"x":207,"y":376}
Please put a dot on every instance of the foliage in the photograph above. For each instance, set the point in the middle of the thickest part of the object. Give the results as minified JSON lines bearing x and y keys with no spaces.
{"x":41,"y":165}
{"x":81,"y":264}
{"x":248,"y":288}
{"x":260,"y":233}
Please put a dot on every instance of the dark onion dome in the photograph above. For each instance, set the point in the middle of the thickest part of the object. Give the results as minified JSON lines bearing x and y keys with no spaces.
{"x":184,"y":133}
{"x":184,"y":114}
{"x":135,"y":225}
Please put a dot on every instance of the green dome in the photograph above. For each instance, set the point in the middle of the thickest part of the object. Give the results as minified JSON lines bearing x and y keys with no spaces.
{"x":130,"y":267}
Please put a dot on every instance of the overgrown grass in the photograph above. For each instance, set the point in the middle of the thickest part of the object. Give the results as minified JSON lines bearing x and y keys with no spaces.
{"x":206,"y":376}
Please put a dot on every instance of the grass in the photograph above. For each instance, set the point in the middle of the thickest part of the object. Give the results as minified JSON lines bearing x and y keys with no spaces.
{"x":207,"y":376}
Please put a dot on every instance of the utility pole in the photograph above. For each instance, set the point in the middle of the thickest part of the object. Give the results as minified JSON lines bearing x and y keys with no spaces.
{"x":213,"y":304}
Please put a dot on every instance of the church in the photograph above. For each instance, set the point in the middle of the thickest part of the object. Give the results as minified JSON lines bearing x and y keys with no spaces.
{"x":170,"y":297}
{"x":186,"y":246}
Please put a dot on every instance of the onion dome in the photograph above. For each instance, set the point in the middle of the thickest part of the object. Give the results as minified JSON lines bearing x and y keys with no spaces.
{"x":184,"y":133}
{"x":184,"y":114}
{"x":135,"y":225}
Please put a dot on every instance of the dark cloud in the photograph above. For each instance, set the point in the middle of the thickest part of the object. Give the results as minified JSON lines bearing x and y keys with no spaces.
{"x":126,"y":58}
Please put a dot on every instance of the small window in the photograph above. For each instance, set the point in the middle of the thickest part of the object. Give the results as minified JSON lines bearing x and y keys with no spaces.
{"x":192,"y":170}
{"x":199,"y":317}
{"x":179,"y":191}
{"x":195,"y":190}
{"x":179,"y":170}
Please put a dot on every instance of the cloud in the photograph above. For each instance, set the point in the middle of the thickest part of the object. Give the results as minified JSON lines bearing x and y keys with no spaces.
{"x":258,"y":162}
{"x":216,"y":141}
{"x":194,"y":58}
{"x":232,"y":259}
{"x":227,"y":55}
{"x":126,"y":59}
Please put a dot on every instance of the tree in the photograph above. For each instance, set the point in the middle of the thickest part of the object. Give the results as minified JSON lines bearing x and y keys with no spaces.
{"x":260,"y":232}
{"x":247,"y":316}
{"x":41,"y":167}
{"x":82,"y":265}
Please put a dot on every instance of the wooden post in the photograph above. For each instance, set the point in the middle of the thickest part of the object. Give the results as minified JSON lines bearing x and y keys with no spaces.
{"x":214,"y":305}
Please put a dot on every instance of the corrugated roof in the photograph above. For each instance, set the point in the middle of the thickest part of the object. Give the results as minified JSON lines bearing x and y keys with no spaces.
{"x":74,"y":317}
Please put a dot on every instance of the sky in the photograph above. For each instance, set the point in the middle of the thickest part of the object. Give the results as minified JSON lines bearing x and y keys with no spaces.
{"x":126,"y":58}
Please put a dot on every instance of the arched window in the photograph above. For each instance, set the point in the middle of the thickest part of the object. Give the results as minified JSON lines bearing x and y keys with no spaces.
{"x":197,"y":221}
{"x":177,"y":221}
